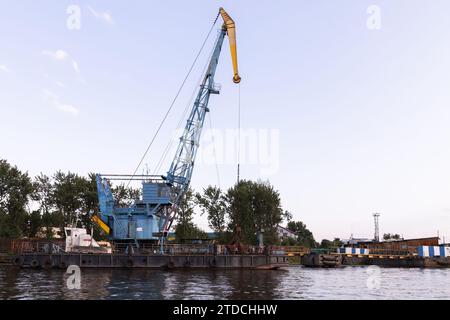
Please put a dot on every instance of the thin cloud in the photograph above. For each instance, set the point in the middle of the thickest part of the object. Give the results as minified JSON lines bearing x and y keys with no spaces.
{"x":58,"y":54}
{"x":4,"y":68}
{"x":75,"y":66}
{"x":62,"y":55}
{"x":56,"y":82}
{"x":60,"y":84}
{"x":68,"y":109}
{"x":104,"y":16}
{"x":54,"y":101}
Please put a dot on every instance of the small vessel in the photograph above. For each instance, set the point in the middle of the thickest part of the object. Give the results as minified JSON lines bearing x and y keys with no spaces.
{"x":79,"y":241}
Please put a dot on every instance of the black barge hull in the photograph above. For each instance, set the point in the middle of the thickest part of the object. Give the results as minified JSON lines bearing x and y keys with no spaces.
{"x":63,"y":260}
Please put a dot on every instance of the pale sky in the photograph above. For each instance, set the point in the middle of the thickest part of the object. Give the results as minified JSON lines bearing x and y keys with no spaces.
{"x":358,"y":118}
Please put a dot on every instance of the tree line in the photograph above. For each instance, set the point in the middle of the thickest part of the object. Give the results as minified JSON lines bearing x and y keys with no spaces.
{"x":31,"y":204}
{"x":238,"y":214}
{"x":235,"y":215}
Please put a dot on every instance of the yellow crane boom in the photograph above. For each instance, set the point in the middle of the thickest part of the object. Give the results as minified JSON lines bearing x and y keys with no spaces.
{"x":101,"y":224}
{"x":231,"y":30}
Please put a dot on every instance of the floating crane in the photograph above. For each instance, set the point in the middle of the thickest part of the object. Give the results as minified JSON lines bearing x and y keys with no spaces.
{"x":150,"y":218}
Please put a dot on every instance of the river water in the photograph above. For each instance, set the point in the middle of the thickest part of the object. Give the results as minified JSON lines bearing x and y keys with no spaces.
{"x":293,"y":283}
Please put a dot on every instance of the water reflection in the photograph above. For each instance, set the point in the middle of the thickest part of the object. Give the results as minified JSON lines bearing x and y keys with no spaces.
{"x":230,"y":284}
{"x":294,"y":283}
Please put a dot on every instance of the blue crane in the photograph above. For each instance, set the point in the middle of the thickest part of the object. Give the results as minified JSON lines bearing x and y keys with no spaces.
{"x":150,"y":217}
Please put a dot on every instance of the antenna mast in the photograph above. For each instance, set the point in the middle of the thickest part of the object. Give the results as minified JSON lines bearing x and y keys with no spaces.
{"x":376,"y":217}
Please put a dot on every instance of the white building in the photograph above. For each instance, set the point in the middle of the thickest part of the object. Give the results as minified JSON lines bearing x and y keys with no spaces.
{"x":284,"y":233}
{"x":354,"y":241}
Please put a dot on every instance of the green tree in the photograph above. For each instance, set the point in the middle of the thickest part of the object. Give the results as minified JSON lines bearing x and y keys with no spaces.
{"x":69,"y":196}
{"x":89,"y":204}
{"x":15,"y":191}
{"x":42,"y":196}
{"x":337,"y":243}
{"x":287,"y":216}
{"x":43,"y":193}
{"x":34,"y":223}
{"x":185,"y":228}
{"x":240,"y":212}
{"x":304,"y":236}
{"x":125,"y":196}
{"x":328,"y":244}
{"x":388,"y":236}
{"x":289,"y":242}
{"x":64,"y":200}
{"x":212,"y":203}
{"x":254,"y":207}
{"x":51,"y":220}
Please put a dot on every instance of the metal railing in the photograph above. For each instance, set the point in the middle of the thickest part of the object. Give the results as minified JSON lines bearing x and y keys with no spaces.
{"x":58,"y":246}
{"x":37,"y":246}
{"x":293,"y":250}
{"x":167,"y":248}
{"x":206,"y":249}
{"x":393,"y":252}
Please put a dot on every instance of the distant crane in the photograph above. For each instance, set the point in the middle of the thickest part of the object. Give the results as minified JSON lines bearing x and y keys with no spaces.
{"x":151,"y":217}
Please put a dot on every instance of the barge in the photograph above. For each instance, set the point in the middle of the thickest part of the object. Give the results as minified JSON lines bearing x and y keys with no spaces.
{"x":82,"y":250}
{"x":421,"y":257}
{"x":396,"y":261}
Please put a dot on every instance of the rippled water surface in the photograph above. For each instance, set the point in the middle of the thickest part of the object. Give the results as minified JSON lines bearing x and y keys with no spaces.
{"x":292,"y":283}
